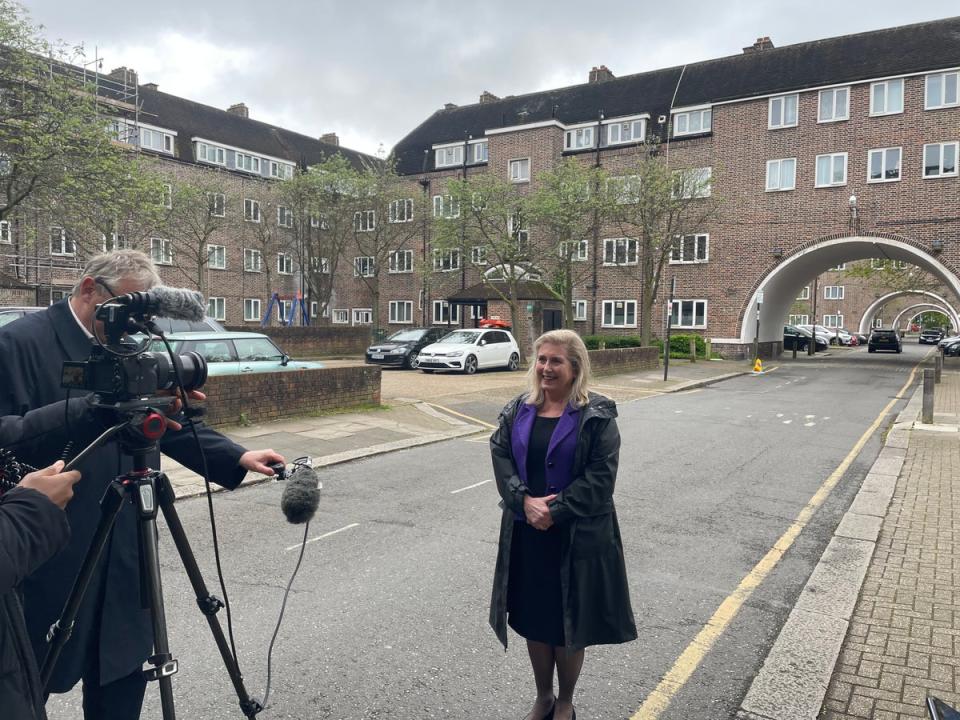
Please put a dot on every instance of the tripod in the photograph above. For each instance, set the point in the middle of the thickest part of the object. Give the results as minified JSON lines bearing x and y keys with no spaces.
{"x":148,"y":490}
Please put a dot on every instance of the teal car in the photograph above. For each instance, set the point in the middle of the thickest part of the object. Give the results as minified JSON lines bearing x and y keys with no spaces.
{"x":234,"y":353}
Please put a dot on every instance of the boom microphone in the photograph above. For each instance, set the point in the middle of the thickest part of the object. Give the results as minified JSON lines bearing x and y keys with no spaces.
{"x":176,"y":303}
{"x":301,"y":496}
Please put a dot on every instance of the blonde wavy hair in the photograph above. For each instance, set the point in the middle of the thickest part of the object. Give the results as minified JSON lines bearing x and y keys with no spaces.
{"x":577,"y":355}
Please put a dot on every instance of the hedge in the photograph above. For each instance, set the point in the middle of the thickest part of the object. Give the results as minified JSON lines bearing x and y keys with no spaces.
{"x":595,"y":342}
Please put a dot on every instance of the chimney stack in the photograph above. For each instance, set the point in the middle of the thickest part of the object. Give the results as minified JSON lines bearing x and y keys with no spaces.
{"x":239,"y":109}
{"x":487,"y":97}
{"x":150,"y":86}
{"x":762,"y":43}
{"x":124,"y":75}
{"x":330,"y":139}
{"x":600,"y":74}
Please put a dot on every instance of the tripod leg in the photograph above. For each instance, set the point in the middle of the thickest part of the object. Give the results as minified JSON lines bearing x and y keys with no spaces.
{"x":60,"y":631}
{"x":209,"y":605}
{"x":164,"y":666}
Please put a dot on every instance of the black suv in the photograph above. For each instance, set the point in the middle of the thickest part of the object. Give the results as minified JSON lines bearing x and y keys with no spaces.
{"x":931,"y":336}
{"x":403,"y":347}
{"x":884,"y":340}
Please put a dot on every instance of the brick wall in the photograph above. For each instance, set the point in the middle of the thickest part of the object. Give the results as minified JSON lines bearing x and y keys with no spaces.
{"x":611,"y":362}
{"x":316,"y":340}
{"x":263,"y":397}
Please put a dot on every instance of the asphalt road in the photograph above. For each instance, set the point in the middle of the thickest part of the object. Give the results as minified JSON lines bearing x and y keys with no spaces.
{"x":388,"y":617}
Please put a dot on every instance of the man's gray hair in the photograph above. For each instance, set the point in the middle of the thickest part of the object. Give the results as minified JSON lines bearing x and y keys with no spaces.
{"x":117,"y":265}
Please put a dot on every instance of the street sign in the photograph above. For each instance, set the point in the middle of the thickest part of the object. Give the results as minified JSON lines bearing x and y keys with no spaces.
{"x":760,"y":297}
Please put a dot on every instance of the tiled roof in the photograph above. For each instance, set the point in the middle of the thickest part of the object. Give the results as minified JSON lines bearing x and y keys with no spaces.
{"x":850,"y":58}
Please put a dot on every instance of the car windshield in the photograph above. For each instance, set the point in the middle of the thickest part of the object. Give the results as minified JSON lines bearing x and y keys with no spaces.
{"x":406,"y":335}
{"x":463,"y":337}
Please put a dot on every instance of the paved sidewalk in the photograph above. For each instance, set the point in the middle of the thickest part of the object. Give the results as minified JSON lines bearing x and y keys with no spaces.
{"x":903,"y":642}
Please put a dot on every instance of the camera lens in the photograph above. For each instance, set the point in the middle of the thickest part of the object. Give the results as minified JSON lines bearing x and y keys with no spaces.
{"x":191,"y":365}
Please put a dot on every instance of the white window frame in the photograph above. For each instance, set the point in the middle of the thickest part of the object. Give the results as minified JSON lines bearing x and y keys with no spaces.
{"x":251,"y":310}
{"x":518,"y":232}
{"x":251,"y":210}
{"x":113,"y":242}
{"x":165,"y":139}
{"x":341,"y":316}
{"x":252,"y":260}
{"x":637,"y":130}
{"x":240,"y":162}
{"x":832,"y":94}
{"x":943,"y":78}
{"x":704,"y":182}
{"x":284,"y":217}
{"x":775,"y":168}
{"x":445,"y":207}
{"x":832,"y":183}
{"x":804,"y":295}
{"x":65,"y":247}
{"x":699,"y":240}
{"x":404,"y":318}
{"x":445,"y":156}
{"x":213,"y":253}
{"x":6,"y":236}
{"x":515,"y":170}
{"x":216,"y":199}
{"x":452,"y":312}
{"x":362,"y":316}
{"x":626,"y":188}
{"x":874,"y":112}
{"x":883,"y":165}
{"x":677,"y":313}
{"x":613,"y":308}
{"x":833,"y":292}
{"x":400,"y":261}
{"x":166,"y":196}
{"x":365,"y":221}
{"x":627,"y":243}
{"x":683,"y":122}
{"x":878,"y":322}
{"x":798,"y":320}
{"x":478,"y":255}
{"x":284,"y":264}
{"x":204,"y":151}
{"x":833,"y":321}
{"x":400,"y":211}
{"x":446,"y":260}
{"x":838,"y":268}
{"x":480,"y":151}
{"x":579,"y":310}
{"x":776,"y":118}
{"x":580,"y":138}
{"x":165,"y":254}
{"x":217,"y":308}
{"x":581,"y":253}
{"x":363,"y":266}
{"x":320,"y":265}
{"x":280,"y":171}
{"x":941,"y":173}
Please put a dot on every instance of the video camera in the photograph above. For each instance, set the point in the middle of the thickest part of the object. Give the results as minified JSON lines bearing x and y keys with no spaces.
{"x":119,"y":369}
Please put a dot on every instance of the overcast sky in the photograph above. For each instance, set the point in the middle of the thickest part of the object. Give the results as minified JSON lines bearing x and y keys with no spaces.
{"x":372,"y":71}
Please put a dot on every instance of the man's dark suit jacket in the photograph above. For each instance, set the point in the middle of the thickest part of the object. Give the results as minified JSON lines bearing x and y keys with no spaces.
{"x":111,"y":622}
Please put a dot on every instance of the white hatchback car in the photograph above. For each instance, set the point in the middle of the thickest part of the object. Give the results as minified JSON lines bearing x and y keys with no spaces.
{"x":471,"y":350}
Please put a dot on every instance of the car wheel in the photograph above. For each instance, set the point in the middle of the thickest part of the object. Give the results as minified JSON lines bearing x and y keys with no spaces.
{"x":413,"y":360}
{"x":470,"y":365}
{"x":514,"y":362}
{"x":871,"y":350}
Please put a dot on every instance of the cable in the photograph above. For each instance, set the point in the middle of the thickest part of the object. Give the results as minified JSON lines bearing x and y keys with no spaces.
{"x":283,"y":607}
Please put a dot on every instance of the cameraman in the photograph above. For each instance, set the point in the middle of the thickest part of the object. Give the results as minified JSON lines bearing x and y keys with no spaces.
{"x":113,"y":636}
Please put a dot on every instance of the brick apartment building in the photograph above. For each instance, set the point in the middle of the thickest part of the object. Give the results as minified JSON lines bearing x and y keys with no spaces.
{"x":819,"y":153}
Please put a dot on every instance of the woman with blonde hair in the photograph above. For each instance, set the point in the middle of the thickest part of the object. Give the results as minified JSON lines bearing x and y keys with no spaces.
{"x":560,"y":580}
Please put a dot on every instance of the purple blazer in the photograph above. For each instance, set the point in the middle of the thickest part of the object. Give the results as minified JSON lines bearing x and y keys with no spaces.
{"x":560,"y":452}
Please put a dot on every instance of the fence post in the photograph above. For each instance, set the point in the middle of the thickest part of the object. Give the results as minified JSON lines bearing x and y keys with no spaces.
{"x":926,"y":414}
{"x":709,"y":351}
{"x":693,"y":348}
{"x":937,"y":368}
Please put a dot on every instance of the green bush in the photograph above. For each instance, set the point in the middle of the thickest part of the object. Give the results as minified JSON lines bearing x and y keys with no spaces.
{"x":680,"y":345}
{"x":595,"y":342}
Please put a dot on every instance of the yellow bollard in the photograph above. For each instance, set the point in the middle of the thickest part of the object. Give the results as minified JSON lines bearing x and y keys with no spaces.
{"x":758,"y":366}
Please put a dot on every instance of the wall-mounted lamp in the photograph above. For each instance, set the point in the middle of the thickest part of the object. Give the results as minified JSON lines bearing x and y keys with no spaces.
{"x":937,"y":245}
{"x":776,"y":252}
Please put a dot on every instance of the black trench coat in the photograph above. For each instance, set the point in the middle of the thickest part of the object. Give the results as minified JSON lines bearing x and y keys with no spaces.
{"x":593,"y":577}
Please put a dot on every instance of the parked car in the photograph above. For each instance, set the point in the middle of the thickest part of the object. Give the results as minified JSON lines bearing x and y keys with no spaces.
{"x":931,"y":336}
{"x":471,"y":350}
{"x":403,"y":347}
{"x":169,"y":325}
{"x":11,"y":313}
{"x":947,"y":341}
{"x":884,"y":339}
{"x":952,"y":347}
{"x":826,"y":338}
{"x":794,"y":336}
{"x":234,"y":353}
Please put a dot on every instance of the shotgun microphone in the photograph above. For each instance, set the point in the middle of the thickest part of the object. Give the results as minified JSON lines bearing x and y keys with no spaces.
{"x":301,"y":496}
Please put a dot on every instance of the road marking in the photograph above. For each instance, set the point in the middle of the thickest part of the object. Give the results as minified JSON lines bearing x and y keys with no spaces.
{"x":685,"y":665}
{"x":321,"y":537}
{"x":787,"y":422}
{"x":809,"y":424}
{"x":471,"y":487}
{"x":460,"y":414}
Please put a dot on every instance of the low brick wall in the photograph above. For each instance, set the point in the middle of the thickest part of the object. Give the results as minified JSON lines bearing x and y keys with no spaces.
{"x":315,"y":341}
{"x":262,"y":397}
{"x":616,"y":360}
{"x":744,"y":351}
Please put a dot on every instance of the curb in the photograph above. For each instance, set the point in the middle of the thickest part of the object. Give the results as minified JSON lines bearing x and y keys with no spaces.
{"x":198,"y":488}
{"x":796,"y":673}
{"x":691,"y":384}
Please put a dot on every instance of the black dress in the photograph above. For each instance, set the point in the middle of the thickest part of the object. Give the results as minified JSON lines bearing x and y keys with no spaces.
{"x":534,"y":596}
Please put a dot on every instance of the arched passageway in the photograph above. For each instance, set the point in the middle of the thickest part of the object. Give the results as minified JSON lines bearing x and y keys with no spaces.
{"x":915,"y":311}
{"x":871,"y":312}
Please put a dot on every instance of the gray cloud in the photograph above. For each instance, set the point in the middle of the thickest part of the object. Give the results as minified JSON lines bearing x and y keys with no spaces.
{"x":372,"y":71}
